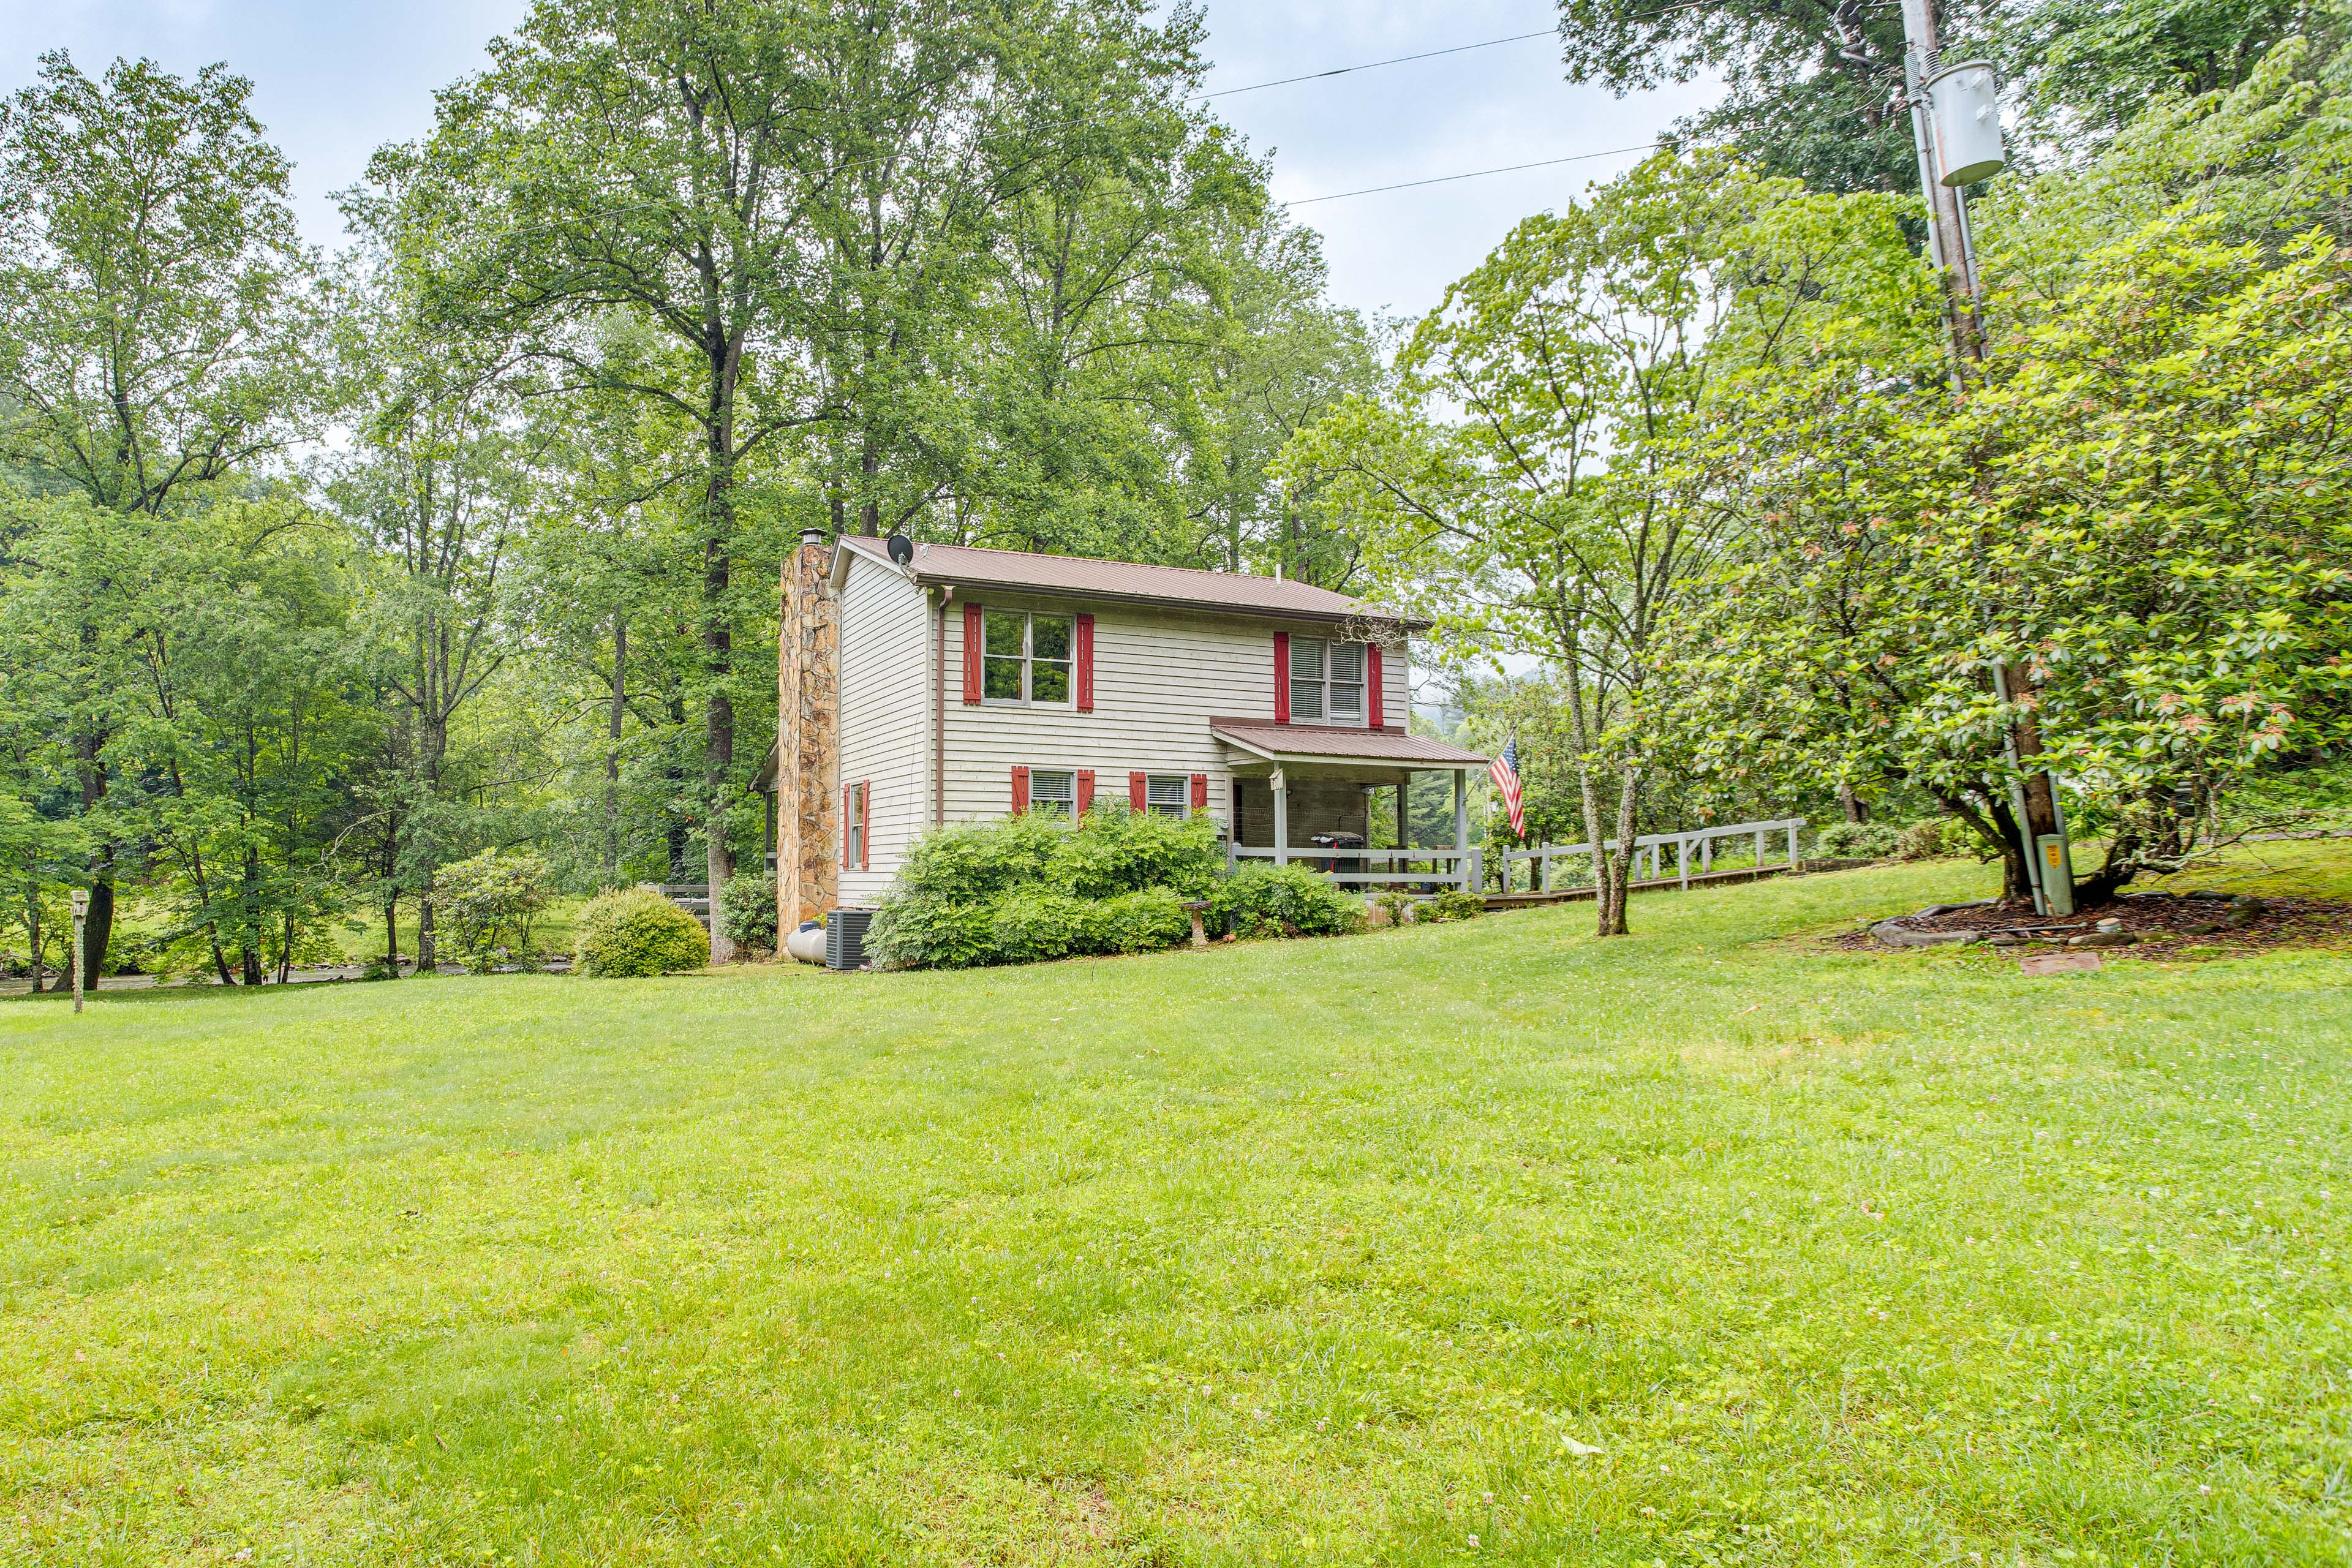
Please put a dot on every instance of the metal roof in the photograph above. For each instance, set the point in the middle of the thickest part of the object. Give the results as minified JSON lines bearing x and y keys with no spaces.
{"x":1313,"y":742}
{"x":1078,"y":576}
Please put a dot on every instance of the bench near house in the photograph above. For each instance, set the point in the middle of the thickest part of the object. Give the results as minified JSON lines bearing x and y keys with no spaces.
{"x":931,"y":683}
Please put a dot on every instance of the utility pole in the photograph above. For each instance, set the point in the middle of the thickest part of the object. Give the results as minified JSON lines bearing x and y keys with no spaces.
{"x":1956,"y":126}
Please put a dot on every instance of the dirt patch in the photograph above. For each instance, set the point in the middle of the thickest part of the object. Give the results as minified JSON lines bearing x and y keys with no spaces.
{"x":2158,"y":926}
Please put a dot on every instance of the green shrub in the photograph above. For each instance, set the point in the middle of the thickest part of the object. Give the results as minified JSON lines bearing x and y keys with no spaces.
{"x":637,"y":932}
{"x":1394,"y":904}
{"x":1931,"y":841}
{"x":1030,"y":888}
{"x":747,"y":909}
{"x":1260,"y":899}
{"x":923,"y":932}
{"x":488,"y":904}
{"x":1453,"y":904}
{"x":972,"y":862}
{"x":1857,"y":841}
{"x":1116,"y":850}
{"x":1143,"y":921}
{"x":1028,"y":924}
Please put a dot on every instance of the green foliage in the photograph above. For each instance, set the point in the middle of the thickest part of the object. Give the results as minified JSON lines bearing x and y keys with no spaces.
{"x":1859,"y":840}
{"x":1021,"y":888}
{"x":1261,"y":899}
{"x":747,"y":909}
{"x":489,"y":902}
{"x":1144,"y":921}
{"x":634,"y":932}
{"x":1453,"y":904}
{"x":1116,"y":850}
{"x":1931,"y":841}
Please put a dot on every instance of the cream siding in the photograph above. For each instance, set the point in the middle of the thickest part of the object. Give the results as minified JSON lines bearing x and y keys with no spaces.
{"x":884,"y":692}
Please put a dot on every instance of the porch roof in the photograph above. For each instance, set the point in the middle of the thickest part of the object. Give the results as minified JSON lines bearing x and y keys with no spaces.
{"x":1321,"y":743}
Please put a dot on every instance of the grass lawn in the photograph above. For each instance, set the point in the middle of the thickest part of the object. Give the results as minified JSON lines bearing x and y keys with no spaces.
{"x":1479,"y":1243}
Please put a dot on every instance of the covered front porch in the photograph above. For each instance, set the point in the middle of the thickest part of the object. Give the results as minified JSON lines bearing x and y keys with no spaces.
{"x":1310,"y":795}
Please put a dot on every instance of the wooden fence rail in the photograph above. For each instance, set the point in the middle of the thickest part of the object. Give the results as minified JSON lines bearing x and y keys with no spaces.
{"x":1654,"y":843}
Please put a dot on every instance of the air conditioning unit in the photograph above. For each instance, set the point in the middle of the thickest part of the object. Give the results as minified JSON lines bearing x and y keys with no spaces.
{"x":844,"y":938}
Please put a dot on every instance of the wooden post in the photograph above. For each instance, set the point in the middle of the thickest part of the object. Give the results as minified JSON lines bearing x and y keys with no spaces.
{"x":1462,"y":825}
{"x":1759,"y":851}
{"x":1794,"y":865}
{"x":1281,"y":788}
{"x":1681,"y":861}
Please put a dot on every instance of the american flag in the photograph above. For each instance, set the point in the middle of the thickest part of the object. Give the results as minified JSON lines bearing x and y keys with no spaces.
{"x":1504,"y":770}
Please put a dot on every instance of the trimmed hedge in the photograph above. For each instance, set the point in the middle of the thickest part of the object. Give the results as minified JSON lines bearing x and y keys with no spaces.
{"x":637,"y":932}
{"x":1285,"y":901}
{"x":1026,"y":888}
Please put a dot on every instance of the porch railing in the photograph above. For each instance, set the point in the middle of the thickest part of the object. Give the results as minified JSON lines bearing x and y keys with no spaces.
{"x":1440,"y":867}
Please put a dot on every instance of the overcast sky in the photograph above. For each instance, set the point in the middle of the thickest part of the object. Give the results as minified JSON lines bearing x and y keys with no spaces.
{"x":335,"y":78}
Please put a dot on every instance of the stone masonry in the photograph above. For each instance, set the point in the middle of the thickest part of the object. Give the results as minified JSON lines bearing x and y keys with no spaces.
{"x":808,"y":758}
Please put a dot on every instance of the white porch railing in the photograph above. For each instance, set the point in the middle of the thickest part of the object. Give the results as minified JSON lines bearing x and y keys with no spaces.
{"x":1654,"y":844}
{"x":1447,"y":867}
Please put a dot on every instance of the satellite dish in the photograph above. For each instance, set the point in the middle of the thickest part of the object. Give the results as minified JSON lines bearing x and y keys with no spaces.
{"x":901,"y":548}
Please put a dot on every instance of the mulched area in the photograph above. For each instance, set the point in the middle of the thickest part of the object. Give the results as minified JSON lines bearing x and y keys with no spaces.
{"x":2167,"y":926}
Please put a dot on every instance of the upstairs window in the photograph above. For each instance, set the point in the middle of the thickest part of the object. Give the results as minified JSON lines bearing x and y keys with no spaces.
{"x":1028,"y":658}
{"x":1327,"y":680}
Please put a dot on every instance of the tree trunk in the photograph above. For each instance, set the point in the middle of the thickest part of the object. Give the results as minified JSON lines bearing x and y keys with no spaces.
{"x":1856,"y":809}
{"x":1628,"y":796}
{"x":99,"y":932}
{"x":718,"y":651}
{"x":428,"y":952}
{"x":392,"y":936}
{"x":33,"y":930}
{"x":613,"y":752}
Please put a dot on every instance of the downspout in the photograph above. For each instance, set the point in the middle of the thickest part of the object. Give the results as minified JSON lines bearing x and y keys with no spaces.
{"x":939,"y":714}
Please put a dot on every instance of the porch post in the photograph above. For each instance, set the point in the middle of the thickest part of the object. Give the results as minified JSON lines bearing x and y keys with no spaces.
{"x":1462,"y":824}
{"x":1281,"y":787}
{"x":1792,"y":846}
{"x":1405,"y":824}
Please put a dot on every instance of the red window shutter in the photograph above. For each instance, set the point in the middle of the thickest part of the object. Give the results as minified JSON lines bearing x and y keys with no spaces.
{"x":1372,"y":683}
{"x":1019,"y":790}
{"x":1085,"y":788}
{"x":1282,"y":678}
{"x":971,"y":647}
{"x":865,"y":827}
{"x":847,"y":798}
{"x":1200,"y":792}
{"x":1139,"y":791}
{"x":1086,"y":658}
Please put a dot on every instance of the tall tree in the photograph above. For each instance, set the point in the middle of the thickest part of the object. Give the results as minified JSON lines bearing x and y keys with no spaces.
{"x":665,"y":161}
{"x":154,"y":315}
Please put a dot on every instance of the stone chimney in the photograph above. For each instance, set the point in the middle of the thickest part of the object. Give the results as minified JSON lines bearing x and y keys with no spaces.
{"x":808,"y":747}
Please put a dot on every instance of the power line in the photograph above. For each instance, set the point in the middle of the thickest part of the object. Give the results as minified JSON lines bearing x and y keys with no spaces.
{"x":1375,"y":65}
{"x":1473,"y":175}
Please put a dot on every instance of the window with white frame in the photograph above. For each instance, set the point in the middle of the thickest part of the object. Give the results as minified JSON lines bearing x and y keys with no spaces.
{"x":1052,"y":793}
{"x":1327,"y":680}
{"x":1027,"y":657}
{"x":1168,"y":794}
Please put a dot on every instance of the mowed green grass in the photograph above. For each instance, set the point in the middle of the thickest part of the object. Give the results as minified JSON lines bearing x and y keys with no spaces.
{"x":1326,"y":1252}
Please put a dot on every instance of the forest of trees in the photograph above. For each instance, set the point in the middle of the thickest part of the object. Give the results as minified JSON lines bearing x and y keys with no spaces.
{"x":322,"y":571}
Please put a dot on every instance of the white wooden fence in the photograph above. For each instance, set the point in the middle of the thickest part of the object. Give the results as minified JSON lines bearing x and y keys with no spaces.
{"x":1442,"y":868}
{"x":1654,"y":844}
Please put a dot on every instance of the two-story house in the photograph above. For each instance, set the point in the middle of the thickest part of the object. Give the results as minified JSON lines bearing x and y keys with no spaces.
{"x":923,"y":684}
